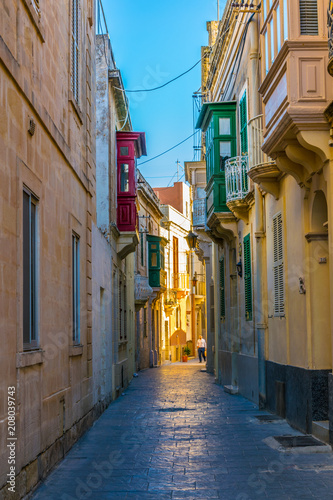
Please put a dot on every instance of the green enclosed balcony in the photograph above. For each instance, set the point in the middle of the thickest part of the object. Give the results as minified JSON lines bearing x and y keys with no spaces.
{"x":217,"y":120}
{"x":157,"y":274}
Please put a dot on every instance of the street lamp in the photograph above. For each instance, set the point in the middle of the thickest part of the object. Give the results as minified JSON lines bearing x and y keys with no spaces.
{"x":191,"y":239}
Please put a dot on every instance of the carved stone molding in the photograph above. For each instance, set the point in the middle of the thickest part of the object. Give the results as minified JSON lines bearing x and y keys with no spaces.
{"x":267,"y":176}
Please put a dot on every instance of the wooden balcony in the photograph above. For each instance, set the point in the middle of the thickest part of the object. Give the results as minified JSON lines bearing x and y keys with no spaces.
{"x":296,"y":91}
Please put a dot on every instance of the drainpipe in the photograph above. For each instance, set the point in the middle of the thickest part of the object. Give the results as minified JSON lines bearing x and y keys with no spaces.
{"x":260,"y":291}
{"x":260,"y":312}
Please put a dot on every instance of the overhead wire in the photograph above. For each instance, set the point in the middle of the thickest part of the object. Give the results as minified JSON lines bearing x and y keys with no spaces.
{"x":164,"y":84}
{"x":170,"y":149}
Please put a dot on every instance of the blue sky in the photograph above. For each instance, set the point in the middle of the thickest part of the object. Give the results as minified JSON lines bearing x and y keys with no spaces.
{"x":153,"y":42}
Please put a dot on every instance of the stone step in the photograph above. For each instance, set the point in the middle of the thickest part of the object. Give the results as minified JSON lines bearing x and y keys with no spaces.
{"x":321,"y":430}
{"x":231,"y":389}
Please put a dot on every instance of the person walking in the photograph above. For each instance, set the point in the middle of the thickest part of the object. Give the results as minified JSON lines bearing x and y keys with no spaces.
{"x":201,"y":345}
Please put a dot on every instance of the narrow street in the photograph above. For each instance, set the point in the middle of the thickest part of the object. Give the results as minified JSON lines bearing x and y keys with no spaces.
{"x":175,"y":434}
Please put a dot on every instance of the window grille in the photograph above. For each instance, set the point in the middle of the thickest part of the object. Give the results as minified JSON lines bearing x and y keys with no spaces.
{"x":35,"y":4}
{"x":278,"y":266}
{"x":75,"y":52}
{"x":30,"y":271}
{"x":308,"y":17}
{"x":76,"y":287}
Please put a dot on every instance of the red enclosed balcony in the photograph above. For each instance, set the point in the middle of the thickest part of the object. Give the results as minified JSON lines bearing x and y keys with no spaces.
{"x":130,"y":146}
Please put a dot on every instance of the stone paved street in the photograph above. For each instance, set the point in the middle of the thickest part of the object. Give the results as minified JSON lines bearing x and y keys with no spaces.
{"x":175,"y":434}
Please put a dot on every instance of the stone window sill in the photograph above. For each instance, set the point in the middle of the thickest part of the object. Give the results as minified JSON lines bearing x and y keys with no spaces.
{"x":75,"y":350}
{"x":35,"y":19}
{"x":75,"y":107}
{"x":29,"y":358}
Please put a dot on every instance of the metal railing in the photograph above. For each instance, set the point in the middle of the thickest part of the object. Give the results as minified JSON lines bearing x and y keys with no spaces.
{"x":199,"y":212}
{"x":330,"y":37}
{"x":180,"y":281}
{"x":256,"y":138}
{"x":236,"y":179}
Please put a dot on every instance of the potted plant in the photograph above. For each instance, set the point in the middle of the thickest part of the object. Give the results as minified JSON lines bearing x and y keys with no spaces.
{"x":186,"y":353}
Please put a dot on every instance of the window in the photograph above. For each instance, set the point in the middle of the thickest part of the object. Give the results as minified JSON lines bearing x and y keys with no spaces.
{"x":76,"y":287}
{"x":123,"y":150}
{"x":30,"y":271}
{"x":120,"y":307}
{"x":222,"y":289}
{"x":278,"y":28}
{"x":35,"y":4}
{"x":124,"y":182}
{"x":271,"y":27}
{"x":178,"y":317}
{"x":278,"y":265}
{"x":224,"y":126}
{"x":243,"y":123}
{"x":225,"y":153}
{"x":125,"y":309}
{"x":142,"y":248}
{"x":285,"y":20}
{"x":175,"y":263}
{"x":275,"y":30}
{"x":247,"y":278}
{"x":308,"y":13}
{"x":75,"y":49}
{"x":145,"y":322}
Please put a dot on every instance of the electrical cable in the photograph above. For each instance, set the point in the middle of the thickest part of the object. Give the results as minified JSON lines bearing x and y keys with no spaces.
{"x":164,"y":84}
{"x":170,"y":149}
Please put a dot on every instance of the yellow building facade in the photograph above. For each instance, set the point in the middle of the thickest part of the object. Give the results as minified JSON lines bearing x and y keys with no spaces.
{"x":266,"y":97}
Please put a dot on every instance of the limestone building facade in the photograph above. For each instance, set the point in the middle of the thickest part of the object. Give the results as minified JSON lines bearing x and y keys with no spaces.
{"x":150,"y":279}
{"x":265,"y":117}
{"x":47,"y":214}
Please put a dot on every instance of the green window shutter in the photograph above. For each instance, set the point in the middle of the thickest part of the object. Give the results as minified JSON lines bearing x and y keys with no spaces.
{"x":243,"y":124}
{"x":222,"y":289}
{"x":247,"y":278}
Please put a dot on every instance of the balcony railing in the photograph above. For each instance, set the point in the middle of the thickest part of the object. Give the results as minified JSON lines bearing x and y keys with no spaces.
{"x":200,"y":288}
{"x":236,"y":179}
{"x":256,"y":137}
{"x":180,"y":281}
{"x":199,"y":212}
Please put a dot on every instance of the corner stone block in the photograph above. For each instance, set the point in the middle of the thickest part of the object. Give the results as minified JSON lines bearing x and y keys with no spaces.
{"x":89,"y":335}
{"x":90,"y":369}
{"x":32,"y":475}
{"x":89,"y":352}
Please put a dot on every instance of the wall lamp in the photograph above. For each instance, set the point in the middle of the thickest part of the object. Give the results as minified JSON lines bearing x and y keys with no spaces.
{"x":191,"y":239}
{"x":239,"y":268}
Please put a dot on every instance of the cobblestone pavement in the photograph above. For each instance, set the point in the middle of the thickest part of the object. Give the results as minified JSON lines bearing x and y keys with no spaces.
{"x":175,"y":434}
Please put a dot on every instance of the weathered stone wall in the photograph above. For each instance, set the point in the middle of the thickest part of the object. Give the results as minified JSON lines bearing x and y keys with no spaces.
{"x":54,"y":382}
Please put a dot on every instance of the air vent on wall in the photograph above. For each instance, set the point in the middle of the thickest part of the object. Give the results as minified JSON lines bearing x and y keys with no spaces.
{"x":308,"y":10}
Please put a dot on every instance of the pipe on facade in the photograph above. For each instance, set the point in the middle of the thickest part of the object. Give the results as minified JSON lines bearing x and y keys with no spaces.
{"x":259,"y":222}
